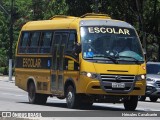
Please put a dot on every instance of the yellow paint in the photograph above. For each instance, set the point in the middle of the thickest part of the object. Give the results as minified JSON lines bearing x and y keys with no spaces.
{"x":70,"y":65}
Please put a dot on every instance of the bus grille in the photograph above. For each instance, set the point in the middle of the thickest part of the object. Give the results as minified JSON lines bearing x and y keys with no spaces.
{"x":158,"y":83}
{"x":128,"y":81}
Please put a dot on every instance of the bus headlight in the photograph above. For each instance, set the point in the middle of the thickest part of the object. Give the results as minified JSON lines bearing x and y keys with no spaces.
{"x":140,"y":77}
{"x":90,"y":75}
{"x":143,"y":77}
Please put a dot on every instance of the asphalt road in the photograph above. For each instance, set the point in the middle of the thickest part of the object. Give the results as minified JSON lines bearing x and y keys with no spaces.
{"x":14,"y":99}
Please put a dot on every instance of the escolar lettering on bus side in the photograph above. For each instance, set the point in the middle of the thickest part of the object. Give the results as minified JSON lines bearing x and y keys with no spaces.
{"x":31,"y":62}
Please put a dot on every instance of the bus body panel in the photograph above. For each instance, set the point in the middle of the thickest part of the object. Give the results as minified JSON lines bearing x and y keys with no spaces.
{"x":39,"y":77}
{"x":86,"y":84}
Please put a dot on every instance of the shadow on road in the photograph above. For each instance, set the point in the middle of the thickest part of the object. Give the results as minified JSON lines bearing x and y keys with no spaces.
{"x":93,"y":108}
{"x":148,"y":101}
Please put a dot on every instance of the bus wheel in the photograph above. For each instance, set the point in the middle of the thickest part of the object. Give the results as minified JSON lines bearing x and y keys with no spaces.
{"x":141,"y":98}
{"x":87,"y":105}
{"x":153,"y":99}
{"x":87,"y":102}
{"x":130,"y":103}
{"x":72,"y":98}
{"x":35,"y":98}
{"x":61,"y":97}
{"x":42,"y":99}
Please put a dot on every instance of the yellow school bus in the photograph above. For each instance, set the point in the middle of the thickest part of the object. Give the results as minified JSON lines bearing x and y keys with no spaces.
{"x":88,"y":59}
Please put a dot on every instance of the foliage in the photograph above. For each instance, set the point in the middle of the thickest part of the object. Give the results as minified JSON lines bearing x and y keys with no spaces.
{"x":144,"y":15}
{"x":3,"y":40}
{"x":79,"y":7}
{"x":3,"y":70}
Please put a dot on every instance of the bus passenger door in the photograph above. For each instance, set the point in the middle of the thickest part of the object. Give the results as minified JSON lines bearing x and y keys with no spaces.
{"x":57,"y":82}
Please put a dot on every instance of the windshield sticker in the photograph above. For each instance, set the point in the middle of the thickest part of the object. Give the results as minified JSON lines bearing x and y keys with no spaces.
{"x":110,"y":30}
{"x":89,"y":54}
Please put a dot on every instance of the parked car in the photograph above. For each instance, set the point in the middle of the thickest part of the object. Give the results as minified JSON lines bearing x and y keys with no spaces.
{"x":153,"y":82}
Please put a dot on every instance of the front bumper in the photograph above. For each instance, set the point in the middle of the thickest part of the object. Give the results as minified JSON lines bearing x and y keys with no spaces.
{"x":94,"y":87}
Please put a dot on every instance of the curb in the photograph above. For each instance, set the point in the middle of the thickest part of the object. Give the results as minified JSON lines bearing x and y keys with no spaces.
{"x":6,"y":79}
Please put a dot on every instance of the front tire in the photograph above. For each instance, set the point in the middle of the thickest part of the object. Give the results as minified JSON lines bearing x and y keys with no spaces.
{"x":141,"y":98}
{"x":77,"y":100}
{"x":35,"y":98}
{"x":72,"y":98}
{"x":153,"y":99}
{"x":130,"y":104}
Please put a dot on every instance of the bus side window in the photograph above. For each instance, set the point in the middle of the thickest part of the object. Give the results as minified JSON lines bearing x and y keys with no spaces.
{"x":71,"y":42}
{"x":45,"y":45}
{"x":34,"y":41}
{"x":23,"y":42}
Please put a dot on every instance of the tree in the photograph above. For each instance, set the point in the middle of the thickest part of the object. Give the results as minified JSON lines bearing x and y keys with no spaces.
{"x":79,"y":7}
{"x":144,"y":15}
{"x":3,"y":41}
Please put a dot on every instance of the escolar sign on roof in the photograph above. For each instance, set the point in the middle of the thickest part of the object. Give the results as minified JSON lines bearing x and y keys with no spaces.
{"x":108,"y":30}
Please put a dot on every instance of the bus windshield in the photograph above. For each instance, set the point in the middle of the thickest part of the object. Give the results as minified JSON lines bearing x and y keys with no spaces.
{"x":110,"y":43}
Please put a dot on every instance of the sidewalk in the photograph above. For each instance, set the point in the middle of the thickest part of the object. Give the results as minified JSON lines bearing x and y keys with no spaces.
{"x":6,"y":78}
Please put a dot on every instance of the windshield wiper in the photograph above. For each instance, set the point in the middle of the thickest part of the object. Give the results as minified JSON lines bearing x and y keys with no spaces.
{"x":98,"y":55}
{"x":89,"y":58}
{"x":135,"y":60}
{"x":112,"y":58}
{"x":109,"y":57}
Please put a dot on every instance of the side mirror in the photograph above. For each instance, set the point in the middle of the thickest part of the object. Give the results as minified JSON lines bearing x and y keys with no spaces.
{"x":77,"y":49}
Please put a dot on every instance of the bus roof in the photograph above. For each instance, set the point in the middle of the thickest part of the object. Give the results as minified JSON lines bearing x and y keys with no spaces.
{"x":71,"y":22}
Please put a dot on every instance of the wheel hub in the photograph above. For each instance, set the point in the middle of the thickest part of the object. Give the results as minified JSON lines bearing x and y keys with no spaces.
{"x":69,"y":96}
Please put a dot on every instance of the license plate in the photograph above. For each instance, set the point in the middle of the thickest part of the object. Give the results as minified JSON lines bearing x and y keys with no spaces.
{"x":118,"y":85}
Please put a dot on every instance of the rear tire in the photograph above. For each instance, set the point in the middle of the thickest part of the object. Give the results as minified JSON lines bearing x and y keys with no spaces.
{"x":153,"y":99}
{"x":35,"y":98}
{"x":130,"y":104}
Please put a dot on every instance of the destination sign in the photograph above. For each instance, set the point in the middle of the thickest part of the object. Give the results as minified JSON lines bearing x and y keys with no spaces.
{"x":111,"y":30}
